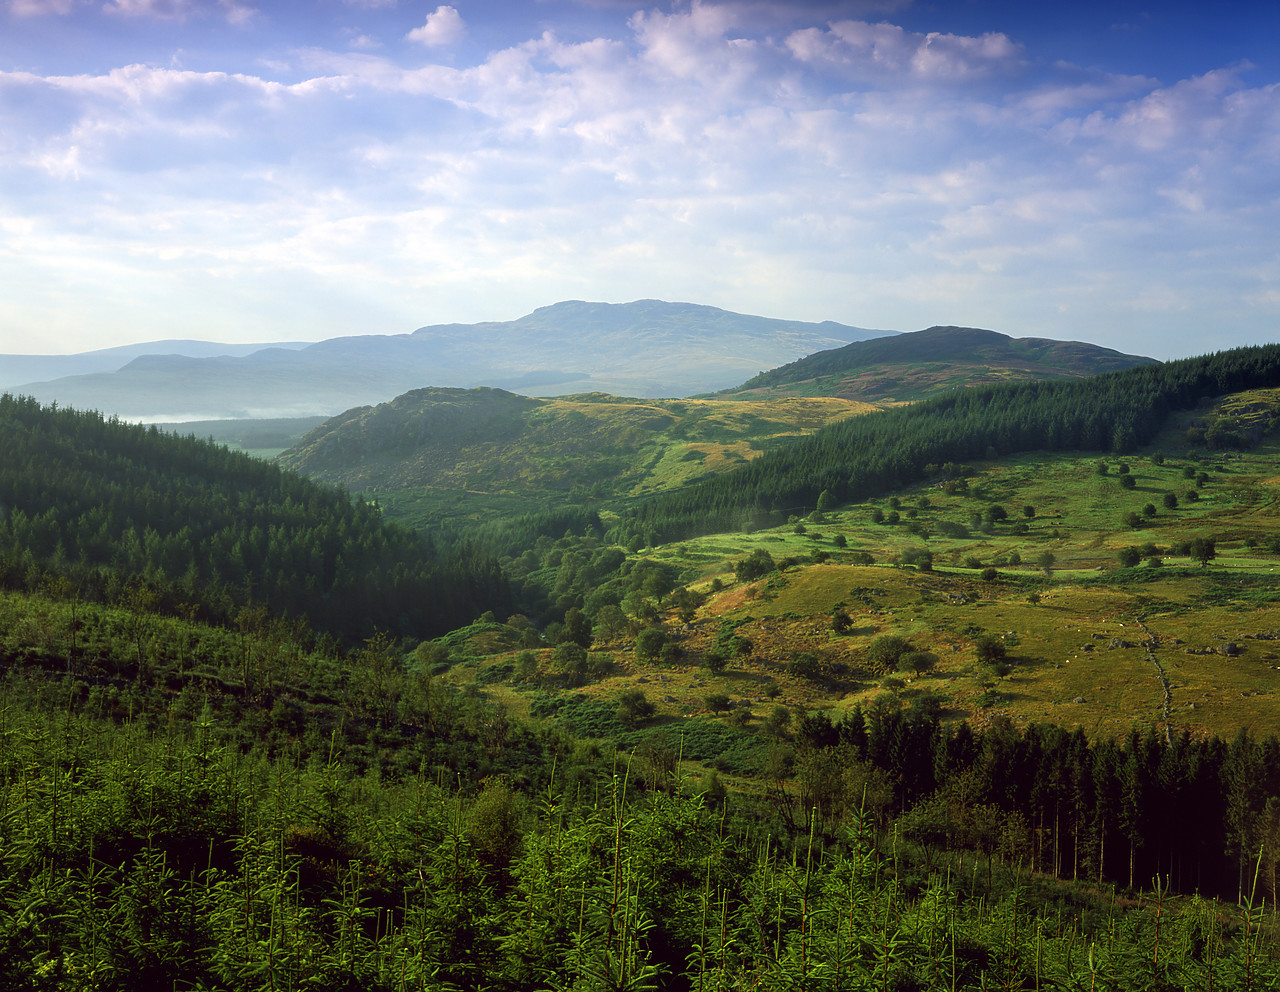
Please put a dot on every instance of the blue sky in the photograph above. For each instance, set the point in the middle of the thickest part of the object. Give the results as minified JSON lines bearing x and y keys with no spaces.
{"x":239,"y":170}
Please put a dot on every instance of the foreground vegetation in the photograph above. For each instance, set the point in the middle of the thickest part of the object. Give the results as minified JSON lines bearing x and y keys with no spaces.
{"x":209,"y":836}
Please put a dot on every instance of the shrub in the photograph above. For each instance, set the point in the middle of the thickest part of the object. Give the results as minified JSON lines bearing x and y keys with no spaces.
{"x":806,"y":665}
{"x":757,"y":565}
{"x":634,"y":708}
{"x":649,"y":643}
{"x":917,"y":661}
{"x":886,"y":651}
{"x":990,"y":649}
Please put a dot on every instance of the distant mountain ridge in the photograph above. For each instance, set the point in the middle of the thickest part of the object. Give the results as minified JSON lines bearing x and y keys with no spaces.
{"x":919,"y":364}
{"x":18,"y":369}
{"x":646,"y":348}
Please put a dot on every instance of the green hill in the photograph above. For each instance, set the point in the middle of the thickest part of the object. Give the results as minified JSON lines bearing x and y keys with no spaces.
{"x":922,"y":364}
{"x":116,"y":511}
{"x":492,"y":442}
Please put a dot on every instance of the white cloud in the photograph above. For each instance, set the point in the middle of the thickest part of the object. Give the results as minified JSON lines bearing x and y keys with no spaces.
{"x":232,"y":11}
{"x":853,"y":171}
{"x":162,"y":9}
{"x":444,"y":26}
{"x":881,"y":52}
{"x":37,"y":8}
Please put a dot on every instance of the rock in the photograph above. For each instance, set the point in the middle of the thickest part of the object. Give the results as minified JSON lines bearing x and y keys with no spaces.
{"x":1086,"y":647}
{"x":1079,"y":699}
{"x":1117,"y":642}
{"x":1230,"y":649}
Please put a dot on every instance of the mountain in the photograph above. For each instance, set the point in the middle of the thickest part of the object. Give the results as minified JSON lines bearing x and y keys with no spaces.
{"x":645,"y":348}
{"x":917,"y":365}
{"x":18,"y":369}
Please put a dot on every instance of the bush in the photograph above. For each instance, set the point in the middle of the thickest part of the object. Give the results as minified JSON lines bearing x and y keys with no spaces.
{"x":634,"y":708}
{"x":990,"y":649}
{"x":757,"y":565}
{"x":715,"y":661}
{"x":649,"y":643}
{"x":917,"y":661}
{"x":806,"y":665}
{"x":887,"y":650}
{"x":1129,"y":557}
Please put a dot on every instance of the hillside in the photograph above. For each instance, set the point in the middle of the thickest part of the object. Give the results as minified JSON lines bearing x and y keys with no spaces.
{"x":645,"y":348}
{"x":862,"y":457}
{"x":117,"y":512}
{"x":921,"y":364}
{"x":1044,"y":600}
{"x":491,"y":441}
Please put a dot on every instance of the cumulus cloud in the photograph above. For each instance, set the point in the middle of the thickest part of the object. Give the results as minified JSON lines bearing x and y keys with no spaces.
{"x":882,"y":51}
{"x":689,"y":154}
{"x":444,"y":26}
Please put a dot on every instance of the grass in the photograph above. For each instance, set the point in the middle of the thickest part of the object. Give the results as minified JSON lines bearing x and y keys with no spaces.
{"x":1083,"y":638}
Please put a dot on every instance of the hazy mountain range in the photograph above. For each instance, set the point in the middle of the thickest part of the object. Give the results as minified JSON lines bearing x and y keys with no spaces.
{"x":648,"y":348}
{"x":15,"y":370}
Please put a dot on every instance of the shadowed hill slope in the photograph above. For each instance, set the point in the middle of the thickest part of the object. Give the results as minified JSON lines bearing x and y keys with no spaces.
{"x":921,"y":364}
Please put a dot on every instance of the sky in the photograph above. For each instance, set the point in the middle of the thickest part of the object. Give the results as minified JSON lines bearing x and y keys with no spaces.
{"x":245,"y":170}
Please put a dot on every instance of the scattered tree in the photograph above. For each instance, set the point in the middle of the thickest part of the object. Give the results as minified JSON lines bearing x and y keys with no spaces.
{"x":649,"y":643}
{"x":886,"y":650}
{"x":634,"y":708}
{"x":990,"y":649}
{"x":917,"y":661}
{"x":1204,"y":550}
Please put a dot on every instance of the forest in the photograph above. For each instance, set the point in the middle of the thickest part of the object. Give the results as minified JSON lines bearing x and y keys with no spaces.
{"x":115,"y":509}
{"x":235,"y":755}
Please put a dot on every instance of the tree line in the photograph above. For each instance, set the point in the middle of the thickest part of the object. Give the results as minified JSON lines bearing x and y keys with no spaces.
{"x":1195,"y":811}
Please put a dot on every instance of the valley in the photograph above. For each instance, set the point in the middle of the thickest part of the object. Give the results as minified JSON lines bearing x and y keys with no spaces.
{"x":1011,"y":650}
